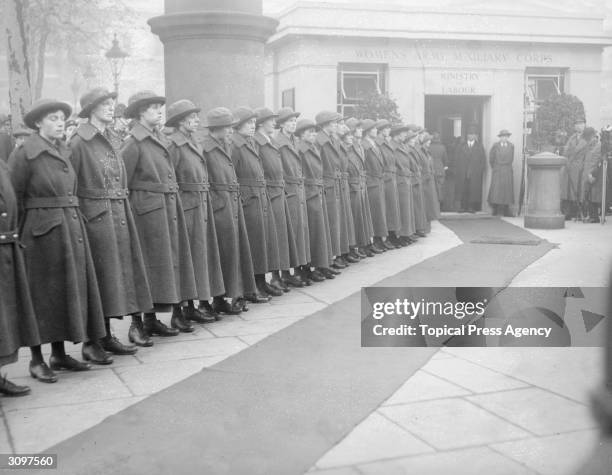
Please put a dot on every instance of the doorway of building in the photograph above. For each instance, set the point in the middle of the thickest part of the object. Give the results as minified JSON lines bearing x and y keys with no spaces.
{"x":451,"y":115}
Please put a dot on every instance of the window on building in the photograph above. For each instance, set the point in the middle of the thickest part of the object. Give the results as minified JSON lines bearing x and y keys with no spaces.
{"x":288,"y":98}
{"x":357,"y":81}
{"x":541,"y":84}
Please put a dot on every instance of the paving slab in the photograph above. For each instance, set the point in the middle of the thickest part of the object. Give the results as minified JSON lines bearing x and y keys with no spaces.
{"x":424,"y":386}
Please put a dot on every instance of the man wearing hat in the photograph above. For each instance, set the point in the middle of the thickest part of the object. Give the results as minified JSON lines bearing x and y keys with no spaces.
{"x":256,"y":204}
{"x":399,"y":135}
{"x":471,"y":163}
{"x":6,"y":141}
{"x":592,"y":177}
{"x":232,"y":237}
{"x":501,"y":190}
{"x":159,"y":215}
{"x":375,"y":169}
{"x":60,"y":267}
{"x":383,"y":128}
{"x":571,"y":174}
{"x":294,"y":190}
{"x":327,"y":122}
{"x":272,"y":163}
{"x":318,"y":221}
{"x":103,"y":197}
{"x":192,"y":177}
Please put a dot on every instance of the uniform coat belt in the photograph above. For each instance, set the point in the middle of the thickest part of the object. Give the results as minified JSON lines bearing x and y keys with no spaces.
{"x":313,"y":182}
{"x":275,"y":183}
{"x":290,"y":180}
{"x":154,"y":187}
{"x":52,"y":202}
{"x":103,"y":194}
{"x":233,"y":187}
{"x":253,"y":183}
{"x":193,"y":186}
{"x":9,"y":237}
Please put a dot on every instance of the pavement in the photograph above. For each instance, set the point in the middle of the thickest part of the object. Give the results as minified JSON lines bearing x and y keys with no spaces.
{"x":504,"y":407}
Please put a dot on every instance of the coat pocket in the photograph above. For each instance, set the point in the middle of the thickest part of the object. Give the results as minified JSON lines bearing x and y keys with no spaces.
{"x":190,"y":200}
{"x":248,"y":197}
{"x":313,"y":193}
{"x":93,"y":210}
{"x":218,"y":201}
{"x":145,"y":202}
{"x":45,"y":226}
{"x":275,"y":192}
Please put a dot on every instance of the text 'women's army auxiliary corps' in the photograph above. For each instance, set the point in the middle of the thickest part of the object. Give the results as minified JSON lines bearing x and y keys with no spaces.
{"x":125,"y":217}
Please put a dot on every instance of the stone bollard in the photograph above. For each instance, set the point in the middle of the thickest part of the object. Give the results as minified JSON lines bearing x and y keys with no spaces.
{"x":544,"y":192}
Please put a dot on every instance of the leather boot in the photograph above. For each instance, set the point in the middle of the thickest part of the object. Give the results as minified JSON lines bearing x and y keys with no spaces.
{"x":388,"y":245}
{"x":137,"y":335}
{"x":350,"y":258}
{"x":279,"y":284}
{"x":207,"y":311}
{"x":421,"y":234}
{"x":325,"y":272}
{"x":67,"y":362}
{"x":293,"y":280}
{"x":338,"y":264}
{"x":198,"y":315}
{"x":92,"y":351}
{"x":367,"y":252}
{"x":316,"y":275}
{"x":112,"y":344}
{"x":220,"y":305}
{"x":379,"y":244}
{"x":271,"y":290}
{"x":374,"y":249}
{"x":42,"y":372}
{"x":238,"y":305}
{"x":11,"y":389}
{"x":304,"y":274}
{"x":179,"y":322}
{"x":332,"y":270}
{"x":260,"y":296}
{"x":152,"y":326}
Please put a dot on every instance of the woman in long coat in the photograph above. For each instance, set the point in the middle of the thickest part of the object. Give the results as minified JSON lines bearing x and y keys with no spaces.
{"x":60,"y":269}
{"x":113,"y":238}
{"x":294,"y":189}
{"x":258,"y":214}
{"x":375,"y":169}
{"x":18,"y":326}
{"x":318,"y":221}
{"x":392,"y":217}
{"x":360,"y":205}
{"x":232,"y":237}
{"x":159,"y":217}
{"x":348,"y":221}
{"x":432,"y":203}
{"x":192,"y":177}
{"x":501,"y":190}
{"x":399,"y":135}
{"x":418,"y":200}
{"x":272,"y":163}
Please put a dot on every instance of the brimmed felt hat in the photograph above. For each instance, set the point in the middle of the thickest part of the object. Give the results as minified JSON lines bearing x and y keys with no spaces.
{"x":70,"y":123}
{"x":21,"y":131}
{"x":504,"y":132}
{"x":285,"y":114}
{"x":399,"y":128}
{"x":263,"y":114}
{"x":242,"y":114}
{"x":382,"y":124}
{"x":472,"y":129}
{"x":304,"y":124}
{"x":344,"y":130}
{"x":426,"y":136}
{"x":92,"y":98}
{"x":41,"y":107}
{"x":219,"y":117}
{"x":141,"y":99}
{"x":411,"y":134}
{"x":179,"y":110}
{"x":368,"y":124}
{"x":353,"y":123}
{"x":325,"y":117}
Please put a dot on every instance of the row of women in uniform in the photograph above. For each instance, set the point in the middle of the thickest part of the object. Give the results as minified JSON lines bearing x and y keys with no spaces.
{"x":101,"y":228}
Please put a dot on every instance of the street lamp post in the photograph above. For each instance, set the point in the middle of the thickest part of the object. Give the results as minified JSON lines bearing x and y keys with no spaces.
{"x":116,"y":57}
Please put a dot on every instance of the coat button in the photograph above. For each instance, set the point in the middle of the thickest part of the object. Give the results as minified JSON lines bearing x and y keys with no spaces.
{"x":169,"y":175}
{"x":15,"y":236}
{"x":80,"y":239}
{"x":70,"y":193}
{"x":2,"y":236}
{"x":74,"y":216}
{"x":66,"y":169}
{"x":3,"y":215}
{"x":174,"y":218}
{"x":123,"y":222}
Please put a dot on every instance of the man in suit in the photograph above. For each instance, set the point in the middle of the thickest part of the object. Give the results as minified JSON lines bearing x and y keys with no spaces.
{"x":471,"y":162}
{"x":501,"y":191}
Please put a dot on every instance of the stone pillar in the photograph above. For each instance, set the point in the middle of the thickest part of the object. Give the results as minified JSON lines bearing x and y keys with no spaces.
{"x":214,"y":51}
{"x":544,"y":191}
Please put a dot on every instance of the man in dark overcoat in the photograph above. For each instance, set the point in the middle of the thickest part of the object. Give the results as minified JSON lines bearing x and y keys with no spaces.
{"x":159,"y":216}
{"x":294,"y":189}
{"x":192,"y":177}
{"x":470,"y":166}
{"x":103,"y":198}
{"x":571,"y":173}
{"x":501,"y":190}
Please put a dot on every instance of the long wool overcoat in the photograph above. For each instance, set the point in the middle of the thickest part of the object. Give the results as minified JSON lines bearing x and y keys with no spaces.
{"x":18,"y":325}
{"x":232,"y":237}
{"x":404,"y":189}
{"x":275,"y":184}
{"x":347,"y":224}
{"x":60,"y":269}
{"x":571,"y":174}
{"x":330,"y":156}
{"x":592,"y":165}
{"x":296,"y":196}
{"x":360,"y":204}
{"x":192,"y":178}
{"x":430,"y":191}
{"x":390,"y":177}
{"x":469,"y":168}
{"x":420,"y":218}
{"x":159,"y":216}
{"x":318,"y":222}
{"x":375,"y":169}
{"x":501,"y":191}
{"x":256,"y":203}
{"x":113,"y":238}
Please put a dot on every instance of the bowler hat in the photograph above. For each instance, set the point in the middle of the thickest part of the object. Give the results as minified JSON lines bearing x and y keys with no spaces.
{"x":368,"y":124}
{"x":503,"y":132}
{"x":242,"y":114}
{"x":325,"y":117}
{"x":21,"y":131}
{"x":285,"y":114}
{"x":141,"y":99}
{"x":41,"y":107}
{"x":92,"y":98}
{"x":382,"y":124}
{"x":179,"y":110}
{"x":263,"y":114}
{"x":399,"y":128}
{"x":304,"y":124}
{"x":219,"y":117}
{"x":353,"y":123}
